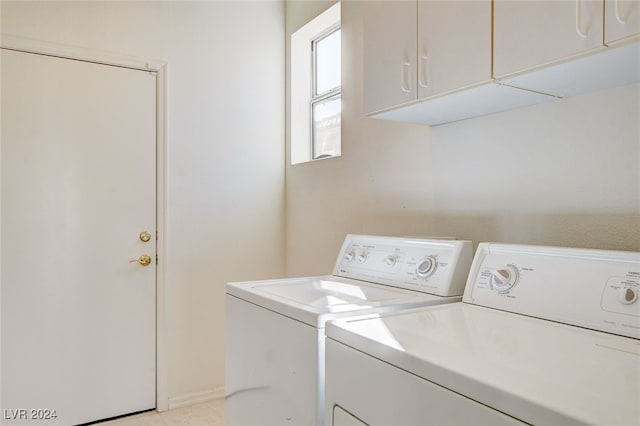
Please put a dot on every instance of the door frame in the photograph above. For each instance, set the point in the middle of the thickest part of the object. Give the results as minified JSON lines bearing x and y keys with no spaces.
{"x":161,"y":69}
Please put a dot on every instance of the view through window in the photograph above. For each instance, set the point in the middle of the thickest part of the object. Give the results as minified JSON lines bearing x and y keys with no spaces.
{"x":326,"y":105}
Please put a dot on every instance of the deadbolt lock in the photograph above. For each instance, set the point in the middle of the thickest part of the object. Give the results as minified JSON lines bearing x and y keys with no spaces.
{"x":144,"y":260}
{"x":145,"y":236}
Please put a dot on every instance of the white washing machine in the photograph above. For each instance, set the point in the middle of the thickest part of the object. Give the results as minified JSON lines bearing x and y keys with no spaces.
{"x":274,"y":343}
{"x":546,"y":336}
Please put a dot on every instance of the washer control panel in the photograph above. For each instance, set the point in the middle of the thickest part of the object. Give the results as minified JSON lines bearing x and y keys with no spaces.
{"x":595,"y":289}
{"x":427,"y":265}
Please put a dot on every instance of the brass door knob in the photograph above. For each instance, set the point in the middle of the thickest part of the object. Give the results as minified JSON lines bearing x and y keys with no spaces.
{"x":144,"y":260}
{"x":145,"y":236}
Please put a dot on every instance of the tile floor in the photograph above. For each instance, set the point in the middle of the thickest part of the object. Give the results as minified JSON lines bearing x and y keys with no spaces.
{"x":210,"y":413}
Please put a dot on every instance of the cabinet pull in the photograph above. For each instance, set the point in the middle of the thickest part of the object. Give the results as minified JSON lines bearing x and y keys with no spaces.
{"x":578,"y":13}
{"x":616,"y":10}
{"x":404,"y":77}
{"x":424,"y":79}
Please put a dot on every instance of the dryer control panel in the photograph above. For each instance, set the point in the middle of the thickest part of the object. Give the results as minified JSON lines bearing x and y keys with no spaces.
{"x":596,"y":289}
{"x":427,"y":265}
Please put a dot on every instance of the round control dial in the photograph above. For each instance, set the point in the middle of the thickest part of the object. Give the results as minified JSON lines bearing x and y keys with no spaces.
{"x":628,"y":295}
{"x":349,"y":255}
{"x":391,"y":260}
{"x":427,"y":266}
{"x":362,"y":257}
{"x":504,"y":278}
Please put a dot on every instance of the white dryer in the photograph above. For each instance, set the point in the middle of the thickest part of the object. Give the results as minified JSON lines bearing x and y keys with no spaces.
{"x":546,"y":336}
{"x":275,"y":341}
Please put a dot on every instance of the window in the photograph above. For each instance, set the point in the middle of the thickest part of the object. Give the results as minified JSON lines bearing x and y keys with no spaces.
{"x":326,"y":103}
{"x":316,"y":88}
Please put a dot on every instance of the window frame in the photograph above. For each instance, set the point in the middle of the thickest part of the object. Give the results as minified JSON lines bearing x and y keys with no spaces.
{"x":314,"y":58}
{"x":326,"y":96}
{"x":301,"y":58}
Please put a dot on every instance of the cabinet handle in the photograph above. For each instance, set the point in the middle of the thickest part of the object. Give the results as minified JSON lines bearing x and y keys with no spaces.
{"x":404,"y":77}
{"x":424,"y":80}
{"x":578,"y":13}
{"x":616,"y":10}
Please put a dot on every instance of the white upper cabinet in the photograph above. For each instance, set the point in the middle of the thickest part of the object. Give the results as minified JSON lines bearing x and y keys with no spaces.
{"x":438,"y":61}
{"x":454,"y":45}
{"x":622,"y":20}
{"x":529,"y":34}
{"x":390,"y":46}
{"x":417,"y":49}
{"x":429,"y":62}
{"x":567,"y":57}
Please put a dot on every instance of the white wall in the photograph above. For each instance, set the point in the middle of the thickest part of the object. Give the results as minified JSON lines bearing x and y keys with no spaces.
{"x":225,"y":149}
{"x":564,"y":173}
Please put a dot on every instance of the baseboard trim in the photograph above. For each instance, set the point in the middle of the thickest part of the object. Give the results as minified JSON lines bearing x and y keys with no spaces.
{"x":195,"y":398}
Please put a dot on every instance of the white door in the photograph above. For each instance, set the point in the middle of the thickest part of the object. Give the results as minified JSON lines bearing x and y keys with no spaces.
{"x":527,"y":34}
{"x":78,"y":186}
{"x":390,"y":44}
{"x":622,"y":20}
{"x":454,"y":45}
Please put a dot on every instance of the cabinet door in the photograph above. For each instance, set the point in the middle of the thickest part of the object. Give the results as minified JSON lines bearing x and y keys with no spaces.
{"x":390,"y":44}
{"x":621,"y":19}
{"x":454,"y":45}
{"x":532,"y":33}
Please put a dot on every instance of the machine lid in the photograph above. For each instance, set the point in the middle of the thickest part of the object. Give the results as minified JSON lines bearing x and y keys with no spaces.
{"x":315,"y":300}
{"x":535,"y":370}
